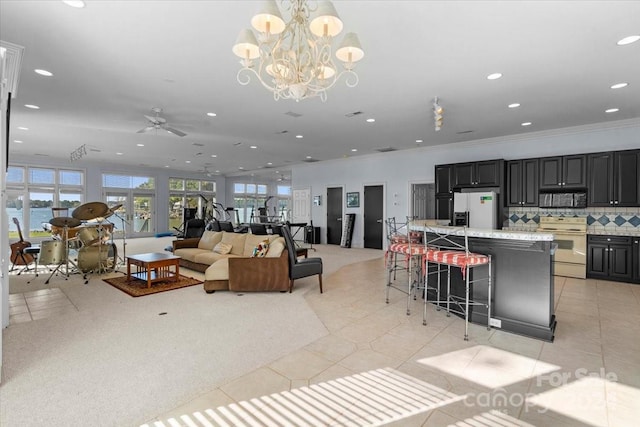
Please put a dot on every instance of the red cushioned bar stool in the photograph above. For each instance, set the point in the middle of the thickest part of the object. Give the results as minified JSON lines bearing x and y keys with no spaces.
{"x":444,"y":252}
{"x":405,"y":252}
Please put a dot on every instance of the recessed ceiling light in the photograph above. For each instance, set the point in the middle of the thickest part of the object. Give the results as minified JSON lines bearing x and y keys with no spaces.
{"x":79,"y":4}
{"x":140,"y":145}
{"x":619,"y":85}
{"x":354,"y":149}
{"x":241,"y":168}
{"x":526,"y":124}
{"x":308,"y":157}
{"x":612,"y":110}
{"x":187,"y":161}
{"x":419,"y":141}
{"x":217,"y":171}
{"x":371,"y":120}
{"x":17,"y":141}
{"x":514,"y":105}
{"x":118,"y":154}
{"x":43,"y":72}
{"x":269,"y":163}
{"x":299,"y":136}
{"x":166,"y":166}
{"x":628,"y":40}
{"x":211,"y":114}
{"x":494,"y":76}
{"x":33,"y":107}
{"x":253,"y":146}
{"x":214,"y":155}
{"x":22,"y":128}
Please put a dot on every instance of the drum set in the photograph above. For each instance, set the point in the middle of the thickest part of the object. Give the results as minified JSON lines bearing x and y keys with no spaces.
{"x":89,"y":233}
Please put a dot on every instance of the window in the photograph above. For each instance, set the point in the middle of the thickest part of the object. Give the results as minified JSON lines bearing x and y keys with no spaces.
{"x":190,"y":194}
{"x":248,"y":199}
{"x":128,"y":181}
{"x":39,"y":189}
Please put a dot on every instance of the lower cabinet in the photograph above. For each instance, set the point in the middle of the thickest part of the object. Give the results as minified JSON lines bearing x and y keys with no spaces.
{"x":610,"y":258}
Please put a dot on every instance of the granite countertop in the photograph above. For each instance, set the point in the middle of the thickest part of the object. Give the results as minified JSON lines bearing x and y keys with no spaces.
{"x":482,"y":232}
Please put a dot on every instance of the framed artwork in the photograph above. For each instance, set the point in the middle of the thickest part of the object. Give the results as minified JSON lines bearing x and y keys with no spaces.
{"x":353,"y":200}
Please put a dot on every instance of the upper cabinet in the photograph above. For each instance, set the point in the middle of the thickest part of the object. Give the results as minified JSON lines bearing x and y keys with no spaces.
{"x":614,"y":178}
{"x":522,"y":182}
{"x":487,"y":173}
{"x":563,"y":172}
{"x":444,"y":183}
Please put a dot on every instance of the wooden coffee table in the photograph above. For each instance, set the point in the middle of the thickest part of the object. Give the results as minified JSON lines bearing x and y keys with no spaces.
{"x":153,"y":267}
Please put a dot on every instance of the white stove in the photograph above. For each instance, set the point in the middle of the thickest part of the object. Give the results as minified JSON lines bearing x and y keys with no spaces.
{"x":570,"y":234}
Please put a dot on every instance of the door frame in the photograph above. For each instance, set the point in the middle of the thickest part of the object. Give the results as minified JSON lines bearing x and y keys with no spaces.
{"x":326,"y":207}
{"x":130,"y":194}
{"x":410,"y":185}
{"x":384,"y":210}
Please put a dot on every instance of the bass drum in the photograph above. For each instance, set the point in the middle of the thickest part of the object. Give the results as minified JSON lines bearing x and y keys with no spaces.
{"x":52,"y":252}
{"x":99,"y":257}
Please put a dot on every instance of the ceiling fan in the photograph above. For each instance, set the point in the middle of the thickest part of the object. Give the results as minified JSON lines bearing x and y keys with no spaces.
{"x":158,"y":122}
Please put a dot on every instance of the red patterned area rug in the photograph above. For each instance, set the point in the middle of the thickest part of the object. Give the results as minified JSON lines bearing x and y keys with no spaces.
{"x":138,"y":288}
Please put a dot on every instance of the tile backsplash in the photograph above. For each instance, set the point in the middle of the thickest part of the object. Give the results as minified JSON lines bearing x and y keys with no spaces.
{"x":599,"y":220}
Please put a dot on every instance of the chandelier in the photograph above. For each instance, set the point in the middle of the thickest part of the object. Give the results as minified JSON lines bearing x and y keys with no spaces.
{"x":293,"y":59}
{"x":438,"y":112}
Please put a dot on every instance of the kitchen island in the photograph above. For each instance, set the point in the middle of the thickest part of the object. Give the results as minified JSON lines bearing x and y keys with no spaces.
{"x":522,"y":278}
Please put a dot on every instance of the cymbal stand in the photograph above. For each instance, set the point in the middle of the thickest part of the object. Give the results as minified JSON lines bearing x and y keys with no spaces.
{"x":122,"y":258}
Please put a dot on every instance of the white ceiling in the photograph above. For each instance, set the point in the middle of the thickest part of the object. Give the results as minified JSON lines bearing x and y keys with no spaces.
{"x":115,"y":60}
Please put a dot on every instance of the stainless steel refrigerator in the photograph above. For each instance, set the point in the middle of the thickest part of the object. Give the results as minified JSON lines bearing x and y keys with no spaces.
{"x":475,"y":210}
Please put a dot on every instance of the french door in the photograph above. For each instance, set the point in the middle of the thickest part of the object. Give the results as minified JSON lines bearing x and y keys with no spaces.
{"x":134,"y":213}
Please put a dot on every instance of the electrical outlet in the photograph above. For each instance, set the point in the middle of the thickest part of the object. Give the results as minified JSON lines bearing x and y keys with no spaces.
{"x":496,"y":323}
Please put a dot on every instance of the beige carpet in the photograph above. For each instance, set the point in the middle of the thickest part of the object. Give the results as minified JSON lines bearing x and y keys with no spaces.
{"x":120,"y":361}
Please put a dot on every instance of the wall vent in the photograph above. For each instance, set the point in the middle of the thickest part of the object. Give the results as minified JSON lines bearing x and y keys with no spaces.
{"x":385,"y":149}
{"x":355,"y":113}
{"x":310,"y":160}
{"x":292,"y":114}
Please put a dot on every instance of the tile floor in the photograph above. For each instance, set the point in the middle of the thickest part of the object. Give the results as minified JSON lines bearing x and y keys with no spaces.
{"x":378,"y":366}
{"x":40,"y":304}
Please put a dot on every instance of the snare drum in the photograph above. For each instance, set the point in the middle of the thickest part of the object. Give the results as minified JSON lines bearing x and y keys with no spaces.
{"x":52,"y":252}
{"x":97,"y":257}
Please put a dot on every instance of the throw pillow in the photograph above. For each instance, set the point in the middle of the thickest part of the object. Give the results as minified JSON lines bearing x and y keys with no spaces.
{"x":260,"y":250}
{"x":222,"y":248}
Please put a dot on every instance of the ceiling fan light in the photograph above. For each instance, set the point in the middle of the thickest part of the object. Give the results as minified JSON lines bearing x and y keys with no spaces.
{"x":325,"y":21}
{"x":268,"y":18}
{"x":246,"y":45}
{"x":350,"y":49}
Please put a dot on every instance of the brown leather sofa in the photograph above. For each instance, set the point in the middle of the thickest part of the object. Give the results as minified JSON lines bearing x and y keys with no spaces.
{"x":237,"y":270}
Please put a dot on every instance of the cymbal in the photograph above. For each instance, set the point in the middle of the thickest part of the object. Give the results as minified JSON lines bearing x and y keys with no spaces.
{"x":65,"y":221}
{"x":90,"y":211}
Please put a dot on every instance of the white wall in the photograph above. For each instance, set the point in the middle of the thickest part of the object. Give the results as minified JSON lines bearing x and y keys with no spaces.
{"x":397,"y":169}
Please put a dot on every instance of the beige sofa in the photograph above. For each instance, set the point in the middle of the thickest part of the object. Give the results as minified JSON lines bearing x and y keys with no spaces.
{"x":237,"y":270}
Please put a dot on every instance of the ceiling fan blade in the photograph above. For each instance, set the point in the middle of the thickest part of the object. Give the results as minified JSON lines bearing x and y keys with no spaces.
{"x":147,"y":129}
{"x":153,"y":120}
{"x":174,"y":131}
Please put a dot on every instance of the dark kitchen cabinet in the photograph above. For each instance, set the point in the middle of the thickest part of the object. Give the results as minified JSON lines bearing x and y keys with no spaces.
{"x":487,"y":173}
{"x":614,"y":179}
{"x":610,"y":258}
{"x":444,"y":183}
{"x":444,"y":191}
{"x":563,"y":172}
{"x":522,"y":182}
{"x":444,"y":207}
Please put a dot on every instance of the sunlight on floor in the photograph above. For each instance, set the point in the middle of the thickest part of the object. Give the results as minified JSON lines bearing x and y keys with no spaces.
{"x":479,"y":364}
{"x":370,"y":398}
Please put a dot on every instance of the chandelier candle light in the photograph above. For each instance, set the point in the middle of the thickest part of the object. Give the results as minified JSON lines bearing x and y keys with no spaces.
{"x":293,"y":59}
